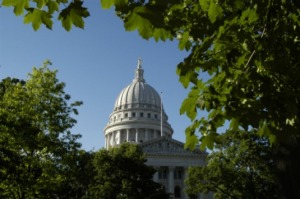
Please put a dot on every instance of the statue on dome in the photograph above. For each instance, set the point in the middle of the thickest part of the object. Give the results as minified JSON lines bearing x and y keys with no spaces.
{"x":139,"y":63}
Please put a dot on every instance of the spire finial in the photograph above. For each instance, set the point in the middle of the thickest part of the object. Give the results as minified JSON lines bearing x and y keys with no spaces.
{"x":139,"y":72}
{"x":139,"y":62}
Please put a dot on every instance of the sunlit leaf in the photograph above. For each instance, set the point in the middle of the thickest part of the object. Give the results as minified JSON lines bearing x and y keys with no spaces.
{"x":214,"y":11}
{"x":106,"y":4}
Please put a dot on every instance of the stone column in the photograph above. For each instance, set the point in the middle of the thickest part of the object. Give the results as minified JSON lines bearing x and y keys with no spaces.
{"x":185,"y":176}
{"x":146,"y":134}
{"x":118,"y":136}
{"x":108,"y":140}
{"x":113,"y":136}
{"x":155,"y":176}
{"x":171,"y":180}
{"x":137,"y":136}
{"x":127,"y":135}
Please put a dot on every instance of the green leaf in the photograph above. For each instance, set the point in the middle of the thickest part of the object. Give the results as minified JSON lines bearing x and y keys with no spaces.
{"x":36,"y":17}
{"x":106,"y":4}
{"x":120,"y":4}
{"x":264,"y":131}
{"x":161,"y":34}
{"x":248,"y":16}
{"x":137,"y":21}
{"x":9,"y":2}
{"x":204,"y":4}
{"x":73,"y":14}
{"x":207,"y":141}
{"x":76,"y":18}
{"x":52,"y":6}
{"x":183,"y":41}
{"x":234,"y":124}
{"x":40,"y":3}
{"x":239,"y":4}
{"x":19,"y":5}
{"x":191,"y":141}
{"x":46,"y":19}
{"x":188,"y":106}
{"x":66,"y":23}
{"x":215,"y":11}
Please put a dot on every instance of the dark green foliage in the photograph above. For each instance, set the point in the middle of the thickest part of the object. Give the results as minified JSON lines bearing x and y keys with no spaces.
{"x":121,"y":172}
{"x":241,"y":167}
{"x":250,"y":51}
{"x":39,"y":157}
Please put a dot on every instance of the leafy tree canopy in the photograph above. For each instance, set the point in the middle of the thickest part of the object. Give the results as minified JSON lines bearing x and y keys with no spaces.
{"x":38,"y":154}
{"x":240,"y":167}
{"x":37,"y":12}
{"x":250,"y":50}
{"x":121,"y":173}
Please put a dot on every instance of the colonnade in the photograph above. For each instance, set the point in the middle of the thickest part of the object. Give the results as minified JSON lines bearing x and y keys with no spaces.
{"x":136,"y":135}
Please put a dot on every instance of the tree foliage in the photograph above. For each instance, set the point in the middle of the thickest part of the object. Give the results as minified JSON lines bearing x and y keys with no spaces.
{"x":250,"y":51}
{"x":39,"y":12}
{"x":241,"y":167}
{"x":248,"y":48}
{"x":121,"y":173}
{"x":39,"y":157}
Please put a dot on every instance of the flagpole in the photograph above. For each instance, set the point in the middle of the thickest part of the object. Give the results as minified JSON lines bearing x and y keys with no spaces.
{"x":161,"y":115}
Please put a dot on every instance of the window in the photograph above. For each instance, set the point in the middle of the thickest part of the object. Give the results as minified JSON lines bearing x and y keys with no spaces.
{"x":155,"y":116}
{"x":177,"y":192}
{"x":177,"y":174}
{"x":133,"y":114}
{"x":149,"y":115}
{"x":165,"y":174}
{"x":126,"y":115}
{"x":162,"y":173}
{"x":141,"y":114}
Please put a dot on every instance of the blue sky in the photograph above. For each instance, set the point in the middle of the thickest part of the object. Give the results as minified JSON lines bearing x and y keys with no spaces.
{"x":96,"y":64}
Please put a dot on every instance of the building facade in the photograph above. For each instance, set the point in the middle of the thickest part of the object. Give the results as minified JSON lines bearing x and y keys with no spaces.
{"x":138,"y":117}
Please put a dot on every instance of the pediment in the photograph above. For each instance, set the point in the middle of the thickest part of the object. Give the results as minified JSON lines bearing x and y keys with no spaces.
{"x":167,"y":146}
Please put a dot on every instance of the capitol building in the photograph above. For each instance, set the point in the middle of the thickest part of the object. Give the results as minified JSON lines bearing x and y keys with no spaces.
{"x":138,"y":117}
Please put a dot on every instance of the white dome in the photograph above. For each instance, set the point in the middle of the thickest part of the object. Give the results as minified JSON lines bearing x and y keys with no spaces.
{"x":138,"y":92}
{"x":138,"y":115}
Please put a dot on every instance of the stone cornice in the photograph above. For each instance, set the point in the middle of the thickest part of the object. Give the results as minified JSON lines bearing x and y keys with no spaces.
{"x":168,"y":147}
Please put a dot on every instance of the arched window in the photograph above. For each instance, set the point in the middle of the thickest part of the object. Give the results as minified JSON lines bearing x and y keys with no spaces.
{"x":177,"y":191}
